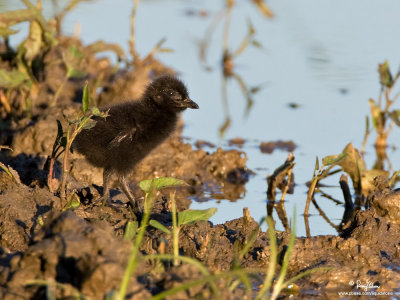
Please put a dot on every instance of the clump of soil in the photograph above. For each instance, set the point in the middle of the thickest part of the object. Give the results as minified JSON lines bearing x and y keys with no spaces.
{"x":269,"y":147}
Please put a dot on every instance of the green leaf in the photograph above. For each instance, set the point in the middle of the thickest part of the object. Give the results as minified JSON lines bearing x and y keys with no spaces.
{"x":160,"y":226}
{"x":85,"y":98}
{"x":353,"y":165}
{"x":75,"y":53}
{"x":96,"y":111}
{"x":72,"y":59}
{"x":195,"y":215}
{"x":60,"y":131}
{"x":112,"y":295}
{"x":316,"y":168}
{"x":10,"y":18}
{"x":89,"y":123}
{"x":5,"y":168}
{"x":160,"y":183}
{"x":40,"y":220}
{"x":12,"y":79}
{"x":394,"y":116}
{"x":257,"y":44}
{"x":4,"y":31}
{"x":33,"y":44}
{"x":130,"y":230}
{"x":333,"y":159}
{"x":245,"y":280}
{"x":75,"y":73}
{"x":385,"y":75}
{"x":375,"y":114}
{"x":255,"y":89}
{"x":74,"y":203}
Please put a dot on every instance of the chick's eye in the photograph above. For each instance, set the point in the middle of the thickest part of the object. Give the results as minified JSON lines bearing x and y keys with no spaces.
{"x":171,"y":93}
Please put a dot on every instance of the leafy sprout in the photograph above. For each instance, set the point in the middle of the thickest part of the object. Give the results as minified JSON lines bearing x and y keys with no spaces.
{"x":64,"y":139}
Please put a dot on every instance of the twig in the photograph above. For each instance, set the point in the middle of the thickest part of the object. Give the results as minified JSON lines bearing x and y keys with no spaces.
{"x":310,"y":194}
{"x":286,"y":188}
{"x":132,"y":47}
{"x":346,"y":192}
{"x":4,"y":101}
{"x":323,"y":214}
{"x":307,"y":225}
{"x":366,"y":135}
{"x":65,"y":166}
{"x":230,"y":4}
{"x":58,"y":92}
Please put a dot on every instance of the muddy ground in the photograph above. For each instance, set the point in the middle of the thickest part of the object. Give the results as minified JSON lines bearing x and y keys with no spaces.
{"x":83,"y":249}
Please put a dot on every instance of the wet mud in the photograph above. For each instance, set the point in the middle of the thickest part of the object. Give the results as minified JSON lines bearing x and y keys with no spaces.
{"x":84,"y":249}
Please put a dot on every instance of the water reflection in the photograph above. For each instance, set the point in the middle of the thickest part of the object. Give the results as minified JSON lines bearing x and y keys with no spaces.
{"x":283,"y":179}
{"x":229,"y":56}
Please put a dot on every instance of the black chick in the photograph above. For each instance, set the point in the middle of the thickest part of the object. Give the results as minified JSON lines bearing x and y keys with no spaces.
{"x":132,"y":130}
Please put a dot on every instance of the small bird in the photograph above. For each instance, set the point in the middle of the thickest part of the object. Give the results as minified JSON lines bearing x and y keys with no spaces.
{"x":132,"y":130}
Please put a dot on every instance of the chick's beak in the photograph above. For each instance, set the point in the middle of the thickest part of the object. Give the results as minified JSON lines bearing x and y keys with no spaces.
{"x":190,"y":103}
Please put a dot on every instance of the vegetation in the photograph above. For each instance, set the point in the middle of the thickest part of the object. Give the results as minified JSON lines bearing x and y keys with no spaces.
{"x":234,"y":277}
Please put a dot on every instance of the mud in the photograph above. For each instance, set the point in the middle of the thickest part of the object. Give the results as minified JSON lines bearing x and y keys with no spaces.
{"x":83,"y":249}
{"x":269,"y":147}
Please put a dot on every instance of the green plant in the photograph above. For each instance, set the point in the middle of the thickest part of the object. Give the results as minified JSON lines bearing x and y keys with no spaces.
{"x":270,"y":289}
{"x":149,"y":187}
{"x":319,"y":173}
{"x":380,"y":113}
{"x":10,"y":171}
{"x":180,"y":219}
{"x":189,"y":260}
{"x":63,"y":142}
{"x":351,"y":162}
{"x":130,"y":230}
{"x":25,"y":74}
{"x":237,"y":275}
{"x":28,"y":61}
{"x":234,"y":277}
{"x":72,"y":59}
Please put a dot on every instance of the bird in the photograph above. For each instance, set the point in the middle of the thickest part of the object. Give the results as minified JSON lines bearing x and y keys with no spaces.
{"x":132,"y":129}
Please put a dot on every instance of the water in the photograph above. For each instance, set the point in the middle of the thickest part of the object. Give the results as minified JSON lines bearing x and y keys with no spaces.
{"x":320,"y":55}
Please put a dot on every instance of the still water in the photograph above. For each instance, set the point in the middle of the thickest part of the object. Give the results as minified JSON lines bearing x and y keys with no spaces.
{"x":321,"y":55}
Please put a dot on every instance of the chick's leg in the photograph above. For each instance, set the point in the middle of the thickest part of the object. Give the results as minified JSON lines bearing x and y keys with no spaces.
{"x":124,"y":186}
{"x":106,"y":186}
